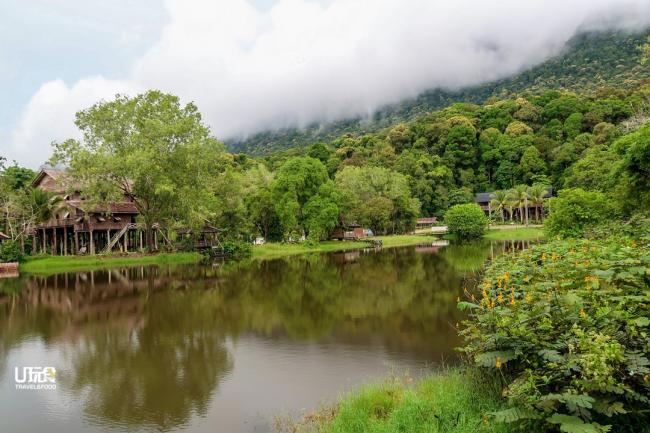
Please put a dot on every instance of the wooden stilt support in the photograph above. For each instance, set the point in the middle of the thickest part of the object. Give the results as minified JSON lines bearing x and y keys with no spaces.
{"x":55,"y":244}
{"x":65,"y":241}
{"x":92,"y":242}
{"x":76,"y":243}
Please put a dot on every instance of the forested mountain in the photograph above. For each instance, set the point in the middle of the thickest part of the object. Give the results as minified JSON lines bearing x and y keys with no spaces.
{"x":590,"y":62}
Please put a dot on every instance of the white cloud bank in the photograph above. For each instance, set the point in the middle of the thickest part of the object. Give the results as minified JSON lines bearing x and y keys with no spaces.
{"x":302,"y":61}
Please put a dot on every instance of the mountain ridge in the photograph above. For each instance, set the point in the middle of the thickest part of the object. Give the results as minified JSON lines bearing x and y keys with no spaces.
{"x":590,"y":61}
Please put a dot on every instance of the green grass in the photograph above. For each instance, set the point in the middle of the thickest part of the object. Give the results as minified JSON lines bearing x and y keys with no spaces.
{"x":454,"y":401}
{"x":56,"y":264}
{"x":518,"y":234}
{"x":273,"y":250}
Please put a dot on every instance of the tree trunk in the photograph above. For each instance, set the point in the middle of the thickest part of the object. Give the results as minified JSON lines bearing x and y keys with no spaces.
{"x":526,"y":206}
{"x":150,"y":241}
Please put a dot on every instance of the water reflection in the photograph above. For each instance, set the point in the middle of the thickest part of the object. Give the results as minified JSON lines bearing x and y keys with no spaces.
{"x":150,"y":348}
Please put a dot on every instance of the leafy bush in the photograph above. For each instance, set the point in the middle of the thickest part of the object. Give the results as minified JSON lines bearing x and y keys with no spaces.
{"x":566,"y":324}
{"x":576,"y":210}
{"x":10,"y":252}
{"x":237,"y":249}
{"x":466,"y":220}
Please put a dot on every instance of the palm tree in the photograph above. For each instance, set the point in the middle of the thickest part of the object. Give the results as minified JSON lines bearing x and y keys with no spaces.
{"x":499,"y":199}
{"x":537,"y":194}
{"x":519,"y":195}
{"x":44,"y":204}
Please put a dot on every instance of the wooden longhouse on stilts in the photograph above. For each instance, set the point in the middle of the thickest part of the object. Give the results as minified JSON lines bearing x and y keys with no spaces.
{"x":77,"y":228}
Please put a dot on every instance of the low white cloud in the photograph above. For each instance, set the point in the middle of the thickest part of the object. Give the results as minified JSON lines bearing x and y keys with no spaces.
{"x":302,"y":61}
{"x":50,"y":116}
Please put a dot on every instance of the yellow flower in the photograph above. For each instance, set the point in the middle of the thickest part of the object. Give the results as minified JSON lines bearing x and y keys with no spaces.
{"x":458,"y":299}
{"x":646,"y":377}
{"x":485,"y":295}
{"x":554,"y":257}
{"x":543,"y":256}
{"x":506,"y":276}
{"x":491,"y":303}
{"x":528,"y":298}
{"x":582,"y":313}
{"x":512,"y":300}
{"x":500,"y":298}
{"x":526,"y":278}
{"x":498,"y":363}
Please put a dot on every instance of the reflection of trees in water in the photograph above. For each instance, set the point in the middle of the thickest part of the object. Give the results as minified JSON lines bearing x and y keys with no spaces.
{"x":159,"y":375}
{"x":144,"y":360}
{"x":399,"y":297}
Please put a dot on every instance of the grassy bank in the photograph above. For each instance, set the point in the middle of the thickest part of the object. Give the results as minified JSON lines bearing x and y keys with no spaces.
{"x":514,"y":234}
{"x":455,"y":401}
{"x":273,"y":250}
{"x":57,"y":264}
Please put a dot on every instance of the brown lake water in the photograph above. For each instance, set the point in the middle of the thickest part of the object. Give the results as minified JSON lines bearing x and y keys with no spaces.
{"x":226,"y":348}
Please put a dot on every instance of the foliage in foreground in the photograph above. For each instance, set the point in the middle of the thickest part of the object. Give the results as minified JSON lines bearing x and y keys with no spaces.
{"x":466,"y":221}
{"x":576,"y":210}
{"x":452,"y":402}
{"x":566,"y":324}
{"x":10,"y":252}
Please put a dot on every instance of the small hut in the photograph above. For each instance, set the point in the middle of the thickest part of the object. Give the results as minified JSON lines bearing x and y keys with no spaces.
{"x":427,"y":222}
{"x":351,"y":232}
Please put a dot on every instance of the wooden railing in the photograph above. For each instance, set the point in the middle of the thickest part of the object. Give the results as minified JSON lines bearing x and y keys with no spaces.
{"x":57,"y":223}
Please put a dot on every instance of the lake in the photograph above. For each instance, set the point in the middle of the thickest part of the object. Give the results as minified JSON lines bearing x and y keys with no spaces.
{"x":225,"y":348}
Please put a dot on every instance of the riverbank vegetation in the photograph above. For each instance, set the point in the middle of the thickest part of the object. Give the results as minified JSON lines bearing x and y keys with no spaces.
{"x":454,"y":402}
{"x":565,"y":325}
{"x":42,"y":265}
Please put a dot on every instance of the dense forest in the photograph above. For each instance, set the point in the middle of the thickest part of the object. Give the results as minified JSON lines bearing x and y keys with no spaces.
{"x":590,"y":61}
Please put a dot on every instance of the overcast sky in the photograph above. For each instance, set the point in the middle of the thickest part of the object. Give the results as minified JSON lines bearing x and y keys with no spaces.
{"x":256,"y":64}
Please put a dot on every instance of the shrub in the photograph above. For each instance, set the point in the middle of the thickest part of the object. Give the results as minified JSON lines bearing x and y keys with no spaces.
{"x":237,"y":249}
{"x":576,"y":210}
{"x":566,"y":324}
{"x":466,"y":220}
{"x":10,"y":252}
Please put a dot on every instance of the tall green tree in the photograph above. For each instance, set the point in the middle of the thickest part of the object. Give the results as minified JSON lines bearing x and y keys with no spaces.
{"x":378,"y":198}
{"x":298,"y":182}
{"x":519,"y":196}
{"x":151,"y":149}
{"x":537,"y":196}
